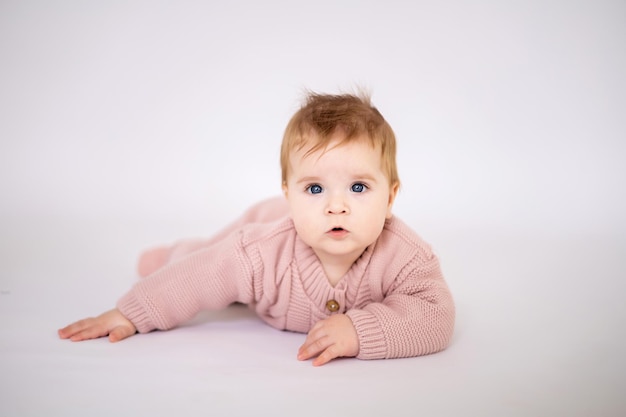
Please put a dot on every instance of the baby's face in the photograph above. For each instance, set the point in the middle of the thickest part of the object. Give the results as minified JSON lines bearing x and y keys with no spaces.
{"x":339,"y":199}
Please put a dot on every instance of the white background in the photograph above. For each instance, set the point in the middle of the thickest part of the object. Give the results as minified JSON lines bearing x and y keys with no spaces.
{"x":128,"y":124}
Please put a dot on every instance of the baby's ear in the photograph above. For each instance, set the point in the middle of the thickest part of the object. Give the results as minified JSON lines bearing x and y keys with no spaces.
{"x":285,"y":192}
{"x":393,"y":192}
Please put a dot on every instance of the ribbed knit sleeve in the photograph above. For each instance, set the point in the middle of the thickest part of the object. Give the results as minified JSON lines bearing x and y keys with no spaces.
{"x":410,"y":311}
{"x":209,"y":278}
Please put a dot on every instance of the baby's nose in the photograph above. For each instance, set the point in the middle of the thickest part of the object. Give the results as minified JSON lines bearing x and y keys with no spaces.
{"x":337,"y":205}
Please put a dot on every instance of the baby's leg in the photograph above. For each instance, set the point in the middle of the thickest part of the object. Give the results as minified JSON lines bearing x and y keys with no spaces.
{"x":156,"y":258}
{"x":264,"y":212}
{"x":151,"y":260}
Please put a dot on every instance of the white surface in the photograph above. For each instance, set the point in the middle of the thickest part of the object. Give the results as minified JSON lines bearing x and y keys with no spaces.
{"x":124,"y":126}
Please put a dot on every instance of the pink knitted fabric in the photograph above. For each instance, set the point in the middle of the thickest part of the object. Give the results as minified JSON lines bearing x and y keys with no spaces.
{"x":394,"y":293}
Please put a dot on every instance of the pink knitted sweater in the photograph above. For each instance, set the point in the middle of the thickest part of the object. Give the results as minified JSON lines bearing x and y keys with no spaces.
{"x":394,"y":293}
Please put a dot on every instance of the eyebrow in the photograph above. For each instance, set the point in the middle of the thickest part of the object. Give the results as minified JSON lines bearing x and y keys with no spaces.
{"x":308,"y":179}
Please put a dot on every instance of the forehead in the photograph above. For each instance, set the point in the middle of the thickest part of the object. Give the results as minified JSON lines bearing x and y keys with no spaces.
{"x":313,"y":143}
{"x":337,"y":154}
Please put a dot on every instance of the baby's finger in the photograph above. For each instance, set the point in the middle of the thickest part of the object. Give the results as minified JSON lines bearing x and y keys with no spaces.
{"x":312,"y":347}
{"x":92,"y":332}
{"x":326,"y":356}
{"x":74,"y":328}
{"x":121,"y":333}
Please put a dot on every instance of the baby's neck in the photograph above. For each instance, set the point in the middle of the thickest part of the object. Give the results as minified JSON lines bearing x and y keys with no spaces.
{"x":334,"y":275}
{"x":336,"y":267}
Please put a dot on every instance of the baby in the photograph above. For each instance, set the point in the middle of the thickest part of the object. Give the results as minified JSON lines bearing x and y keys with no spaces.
{"x":328,"y":259}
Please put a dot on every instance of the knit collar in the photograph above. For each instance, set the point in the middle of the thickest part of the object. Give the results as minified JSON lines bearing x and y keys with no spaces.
{"x":314,"y":280}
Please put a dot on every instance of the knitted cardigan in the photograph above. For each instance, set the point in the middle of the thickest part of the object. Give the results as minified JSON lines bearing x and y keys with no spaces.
{"x":394,"y":293}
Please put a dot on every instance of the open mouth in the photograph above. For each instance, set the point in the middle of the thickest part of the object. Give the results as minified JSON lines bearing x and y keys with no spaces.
{"x":337,"y":231}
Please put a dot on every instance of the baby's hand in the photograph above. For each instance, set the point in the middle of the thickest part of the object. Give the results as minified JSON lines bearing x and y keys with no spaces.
{"x":111,"y":323}
{"x":329,"y":339}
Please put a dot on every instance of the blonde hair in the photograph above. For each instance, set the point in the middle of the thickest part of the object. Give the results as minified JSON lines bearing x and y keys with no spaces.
{"x":323,"y":115}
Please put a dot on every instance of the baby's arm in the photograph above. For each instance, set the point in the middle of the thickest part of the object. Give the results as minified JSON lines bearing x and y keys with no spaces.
{"x":112,"y":324}
{"x":330,"y":338}
{"x":415,"y":317}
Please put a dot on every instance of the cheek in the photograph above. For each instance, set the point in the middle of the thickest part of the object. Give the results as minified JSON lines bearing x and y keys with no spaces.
{"x":294,"y":205}
{"x":298,"y":211}
{"x":376,"y":217}
{"x":388,"y":212}
{"x":305,"y":229}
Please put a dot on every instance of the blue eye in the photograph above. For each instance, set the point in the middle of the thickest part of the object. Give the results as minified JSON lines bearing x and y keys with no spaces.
{"x":358,"y":187}
{"x":314,"y":189}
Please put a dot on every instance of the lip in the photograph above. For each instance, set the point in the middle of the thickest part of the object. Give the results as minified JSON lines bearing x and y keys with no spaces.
{"x":337,"y":232}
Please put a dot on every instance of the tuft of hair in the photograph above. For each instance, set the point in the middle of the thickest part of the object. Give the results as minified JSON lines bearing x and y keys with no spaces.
{"x":347,"y":117}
